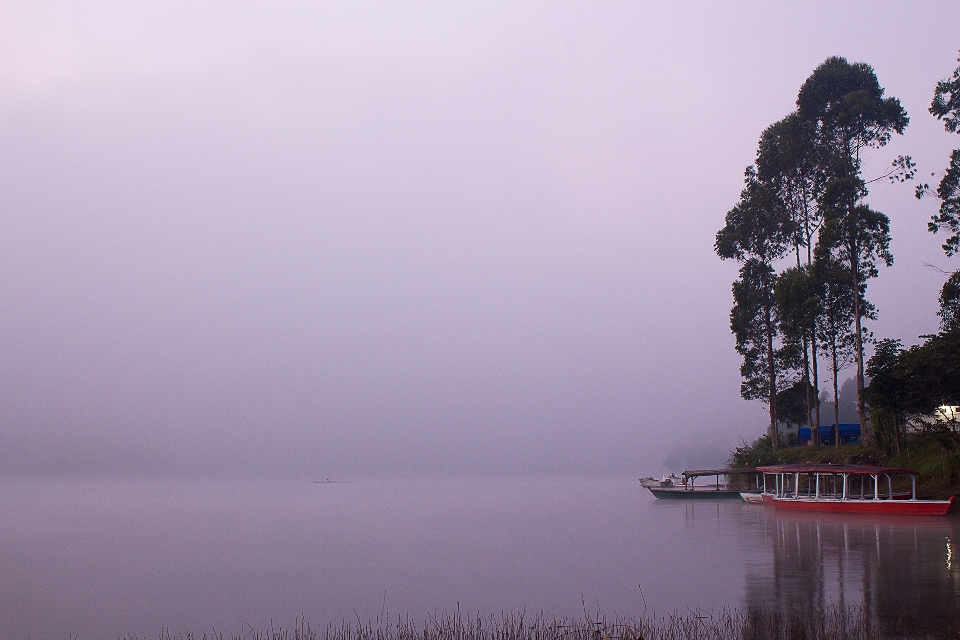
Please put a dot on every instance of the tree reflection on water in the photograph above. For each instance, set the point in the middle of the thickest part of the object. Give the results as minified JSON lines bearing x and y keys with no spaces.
{"x":903,"y":571}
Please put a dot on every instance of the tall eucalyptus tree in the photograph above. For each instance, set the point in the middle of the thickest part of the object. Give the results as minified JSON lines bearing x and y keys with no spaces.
{"x":754,"y":322}
{"x":758,"y":232}
{"x":834,"y":323}
{"x":859,"y":238}
{"x":787,"y":158}
{"x":798,"y":306}
{"x":846,"y":106}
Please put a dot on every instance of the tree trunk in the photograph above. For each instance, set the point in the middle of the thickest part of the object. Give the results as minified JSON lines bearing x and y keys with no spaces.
{"x":896,"y":429}
{"x":836,"y":391}
{"x":816,"y":381}
{"x":813,"y":351}
{"x":772,"y":373}
{"x":858,"y":338}
{"x":815,"y":440}
{"x":807,"y":341}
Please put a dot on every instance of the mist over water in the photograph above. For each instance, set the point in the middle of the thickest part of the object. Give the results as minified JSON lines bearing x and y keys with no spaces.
{"x":426,"y":239}
{"x":108,"y":558}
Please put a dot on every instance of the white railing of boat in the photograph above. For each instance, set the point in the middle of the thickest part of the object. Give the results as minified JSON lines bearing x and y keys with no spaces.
{"x":781,"y":492}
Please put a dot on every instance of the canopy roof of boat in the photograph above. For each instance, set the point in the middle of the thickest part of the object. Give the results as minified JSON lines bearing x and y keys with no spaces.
{"x":716,"y":472}
{"x":832,"y":468}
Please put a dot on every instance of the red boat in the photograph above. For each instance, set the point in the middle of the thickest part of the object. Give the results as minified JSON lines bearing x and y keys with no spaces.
{"x":847,"y":488}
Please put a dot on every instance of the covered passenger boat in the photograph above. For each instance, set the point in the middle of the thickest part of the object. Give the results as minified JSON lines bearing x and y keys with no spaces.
{"x":718,"y":486}
{"x":847,"y":488}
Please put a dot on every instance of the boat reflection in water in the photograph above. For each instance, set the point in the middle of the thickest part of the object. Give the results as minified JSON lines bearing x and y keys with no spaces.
{"x":903,"y":572}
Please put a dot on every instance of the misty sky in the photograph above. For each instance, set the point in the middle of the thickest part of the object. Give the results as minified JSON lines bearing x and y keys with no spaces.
{"x":344,"y":240}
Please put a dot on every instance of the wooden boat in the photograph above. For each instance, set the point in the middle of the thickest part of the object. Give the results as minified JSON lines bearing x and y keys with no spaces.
{"x":717,"y":490}
{"x":847,"y":489}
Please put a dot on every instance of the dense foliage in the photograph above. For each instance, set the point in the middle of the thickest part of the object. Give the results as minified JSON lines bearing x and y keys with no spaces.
{"x":946,"y":107}
{"x":909,"y":385}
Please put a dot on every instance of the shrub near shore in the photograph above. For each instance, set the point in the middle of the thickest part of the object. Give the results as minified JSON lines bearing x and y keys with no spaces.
{"x":934,"y":455}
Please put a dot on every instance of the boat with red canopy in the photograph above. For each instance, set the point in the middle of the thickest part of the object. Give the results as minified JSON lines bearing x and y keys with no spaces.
{"x":847,"y":488}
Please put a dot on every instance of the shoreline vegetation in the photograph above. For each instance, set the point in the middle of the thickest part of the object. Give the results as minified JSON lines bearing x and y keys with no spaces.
{"x":934,"y":455}
{"x":831,"y":623}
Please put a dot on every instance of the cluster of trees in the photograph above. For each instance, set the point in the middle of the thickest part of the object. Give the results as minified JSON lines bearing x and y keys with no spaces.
{"x":803,"y":203}
{"x":808,"y":244}
{"x":911,"y":384}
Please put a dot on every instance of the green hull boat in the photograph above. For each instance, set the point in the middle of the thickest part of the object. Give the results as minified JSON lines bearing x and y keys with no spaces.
{"x":720,"y":489}
{"x":700,"y":493}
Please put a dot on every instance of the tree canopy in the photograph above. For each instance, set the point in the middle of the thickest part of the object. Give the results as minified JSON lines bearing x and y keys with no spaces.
{"x":946,"y":107}
{"x":805,"y":195}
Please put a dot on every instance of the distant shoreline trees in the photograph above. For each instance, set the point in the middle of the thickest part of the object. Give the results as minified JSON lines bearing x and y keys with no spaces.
{"x":805,"y":195}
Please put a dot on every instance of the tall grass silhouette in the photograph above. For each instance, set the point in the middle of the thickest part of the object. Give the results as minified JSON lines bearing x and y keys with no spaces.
{"x":832,"y":623}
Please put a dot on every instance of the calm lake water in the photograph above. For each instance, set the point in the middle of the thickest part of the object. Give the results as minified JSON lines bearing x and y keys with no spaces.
{"x":103,"y":559}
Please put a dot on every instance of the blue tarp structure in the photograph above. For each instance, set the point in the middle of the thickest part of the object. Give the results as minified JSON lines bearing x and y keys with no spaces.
{"x":848,"y":433}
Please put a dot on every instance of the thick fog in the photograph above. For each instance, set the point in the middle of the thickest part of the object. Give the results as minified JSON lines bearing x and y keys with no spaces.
{"x":343,"y":240}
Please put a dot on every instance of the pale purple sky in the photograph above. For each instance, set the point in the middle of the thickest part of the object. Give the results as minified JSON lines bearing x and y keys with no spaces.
{"x":342,"y":240}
